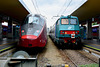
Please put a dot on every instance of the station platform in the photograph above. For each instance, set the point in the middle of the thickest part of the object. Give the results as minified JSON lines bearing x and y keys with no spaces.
{"x":93,"y":44}
{"x":6,"y":44}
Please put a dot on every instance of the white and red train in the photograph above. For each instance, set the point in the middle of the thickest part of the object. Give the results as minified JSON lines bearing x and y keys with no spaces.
{"x":33,"y":32}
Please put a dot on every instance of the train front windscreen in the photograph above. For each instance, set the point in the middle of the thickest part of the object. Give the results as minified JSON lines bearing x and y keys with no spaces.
{"x":31,"y":26}
{"x":69,"y":21}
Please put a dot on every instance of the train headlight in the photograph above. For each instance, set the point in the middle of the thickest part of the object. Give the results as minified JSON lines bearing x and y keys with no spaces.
{"x":65,"y":32}
{"x":73,"y":32}
{"x":62,"y":32}
{"x":77,"y":32}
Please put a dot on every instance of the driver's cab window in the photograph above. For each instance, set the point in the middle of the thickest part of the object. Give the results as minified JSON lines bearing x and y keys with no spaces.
{"x":33,"y":20}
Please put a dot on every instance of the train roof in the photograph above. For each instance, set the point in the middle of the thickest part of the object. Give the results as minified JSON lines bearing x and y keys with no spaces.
{"x":69,"y":16}
{"x":37,"y":15}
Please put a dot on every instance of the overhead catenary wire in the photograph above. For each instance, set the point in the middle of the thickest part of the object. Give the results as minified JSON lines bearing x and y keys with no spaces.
{"x":34,"y":6}
{"x":37,"y":6}
{"x":62,"y":7}
{"x":67,"y":7}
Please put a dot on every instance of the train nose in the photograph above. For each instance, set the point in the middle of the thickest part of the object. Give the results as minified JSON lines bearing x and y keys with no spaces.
{"x":28,"y":37}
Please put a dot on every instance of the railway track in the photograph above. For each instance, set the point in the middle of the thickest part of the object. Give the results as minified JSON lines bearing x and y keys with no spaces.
{"x":96,"y":61}
{"x":76,"y":58}
{"x":71,"y":64}
{"x":91,"y":52}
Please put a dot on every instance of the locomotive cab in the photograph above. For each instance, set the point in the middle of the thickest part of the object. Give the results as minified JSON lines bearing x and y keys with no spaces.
{"x":67,"y":30}
{"x":31,"y":28}
{"x":68,"y":26}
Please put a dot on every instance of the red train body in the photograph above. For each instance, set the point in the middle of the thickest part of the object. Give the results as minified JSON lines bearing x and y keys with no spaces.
{"x":33,"y":32}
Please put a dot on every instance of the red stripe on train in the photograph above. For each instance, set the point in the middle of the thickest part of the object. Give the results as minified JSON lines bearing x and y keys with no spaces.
{"x":29,"y":37}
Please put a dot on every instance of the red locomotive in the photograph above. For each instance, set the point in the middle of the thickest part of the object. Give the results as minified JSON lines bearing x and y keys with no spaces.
{"x":33,"y":32}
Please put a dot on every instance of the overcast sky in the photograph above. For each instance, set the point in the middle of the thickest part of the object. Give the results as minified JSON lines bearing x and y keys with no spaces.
{"x":50,"y":8}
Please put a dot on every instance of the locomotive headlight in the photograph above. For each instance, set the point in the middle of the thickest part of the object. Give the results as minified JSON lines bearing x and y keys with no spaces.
{"x":62,"y":32}
{"x":76,"y":32}
{"x":73,"y":32}
{"x":65,"y":32}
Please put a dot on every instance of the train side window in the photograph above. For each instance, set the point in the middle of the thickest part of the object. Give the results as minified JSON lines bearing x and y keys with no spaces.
{"x":64,"y":21}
